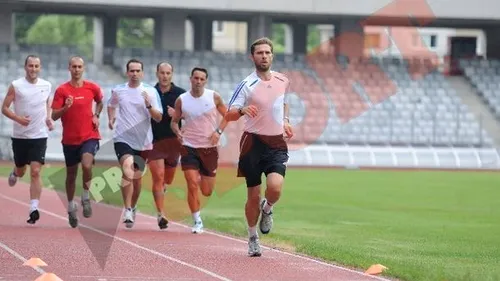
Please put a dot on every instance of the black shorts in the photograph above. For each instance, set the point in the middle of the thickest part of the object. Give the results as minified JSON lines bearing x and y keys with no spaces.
{"x":73,"y":153}
{"x":29,"y":150}
{"x":203,"y":159}
{"x":168,"y":149}
{"x":140,"y":156}
{"x":261,"y":154}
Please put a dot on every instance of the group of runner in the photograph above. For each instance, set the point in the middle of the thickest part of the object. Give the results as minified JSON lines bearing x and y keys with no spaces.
{"x":156,"y":126}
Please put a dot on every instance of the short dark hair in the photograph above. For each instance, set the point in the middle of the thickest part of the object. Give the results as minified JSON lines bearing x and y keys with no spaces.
{"x":261,"y":41}
{"x":164,"y":62}
{"x":30,"y":57}
{"x":135,"y":61}
{"x":200,"y":69}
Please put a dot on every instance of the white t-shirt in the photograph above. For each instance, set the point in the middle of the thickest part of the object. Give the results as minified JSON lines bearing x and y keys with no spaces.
{"x":133,"y":120}
{"x":31,"y":100}
{"x":269,"y":97}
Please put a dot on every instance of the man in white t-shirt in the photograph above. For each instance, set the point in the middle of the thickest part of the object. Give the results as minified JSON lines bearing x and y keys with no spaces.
{"x":137,"y":104}
{"x":31,"y":98}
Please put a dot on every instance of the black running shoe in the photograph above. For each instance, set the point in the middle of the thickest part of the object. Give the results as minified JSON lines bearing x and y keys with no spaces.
{"x":34,"y":216}
{"x":162,"y":222}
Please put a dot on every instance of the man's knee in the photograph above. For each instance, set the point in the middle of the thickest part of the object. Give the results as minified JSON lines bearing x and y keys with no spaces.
{"x":274,"y":181}
{"x":87,"y":166}
{"x":71,"y":173}
{"x":35,"y":171}
{"x":207,"y":185}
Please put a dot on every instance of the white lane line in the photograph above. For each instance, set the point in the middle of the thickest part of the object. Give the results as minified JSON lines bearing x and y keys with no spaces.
{"x":19,"y":257}
{"x":210,"y":273}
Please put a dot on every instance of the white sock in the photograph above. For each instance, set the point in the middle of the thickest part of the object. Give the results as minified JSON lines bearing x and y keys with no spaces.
{"x":34,"y":204}
{"x":252,"y":231}
{"x":85,"y":195}
{"x":196,"y":216}
{"x":267,"y":207}
{"x":71,"y":205}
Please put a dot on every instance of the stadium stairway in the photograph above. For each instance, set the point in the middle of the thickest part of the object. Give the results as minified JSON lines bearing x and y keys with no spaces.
{"x":471,"y":98}
{"x":113,"y":74}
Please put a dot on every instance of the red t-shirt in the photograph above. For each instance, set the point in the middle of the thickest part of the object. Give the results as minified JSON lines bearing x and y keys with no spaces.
{"x":77,"y":120}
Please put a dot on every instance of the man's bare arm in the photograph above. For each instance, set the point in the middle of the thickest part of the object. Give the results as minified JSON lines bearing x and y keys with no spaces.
{"x":49,"y":109}
{"x":58,"y":113}
{"x":98,"y":107}
{"x":9,"y":98}
{"x":222,"y":109}
{"x":286,"y":109}
{"x":174,"y":123}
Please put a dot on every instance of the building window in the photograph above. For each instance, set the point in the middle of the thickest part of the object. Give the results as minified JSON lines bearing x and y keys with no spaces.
{"x":372,"y":41}
{"x":429,"y":41}
{"x":218,"y":27}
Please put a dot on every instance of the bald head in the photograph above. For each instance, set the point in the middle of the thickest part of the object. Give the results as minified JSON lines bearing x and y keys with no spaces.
{"x":76,"y":67}
{"x":76,"y":59}
{"x":164,"y":72}
{"x":164,"y":66}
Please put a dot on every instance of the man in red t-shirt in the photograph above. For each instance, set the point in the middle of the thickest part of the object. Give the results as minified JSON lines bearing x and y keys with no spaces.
{"x":72,"y":103}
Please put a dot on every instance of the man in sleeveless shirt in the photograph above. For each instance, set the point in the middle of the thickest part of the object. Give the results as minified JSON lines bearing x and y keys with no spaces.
{"x":73,"y":104}
{"x":31,"y":98}
{"x":199,"y":155}
{"x":261,"y":98}
{"x":137,"y":103}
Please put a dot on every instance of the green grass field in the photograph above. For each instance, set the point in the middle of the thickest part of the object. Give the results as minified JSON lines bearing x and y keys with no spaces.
{"x":421,"y":225}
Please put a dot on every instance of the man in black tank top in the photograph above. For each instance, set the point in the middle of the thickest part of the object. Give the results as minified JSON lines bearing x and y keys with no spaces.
{"x":166,"y":147}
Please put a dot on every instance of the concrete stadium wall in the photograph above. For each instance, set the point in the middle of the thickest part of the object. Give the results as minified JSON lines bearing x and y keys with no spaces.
{"x":335,"y":156}
{"x":458,"y":9}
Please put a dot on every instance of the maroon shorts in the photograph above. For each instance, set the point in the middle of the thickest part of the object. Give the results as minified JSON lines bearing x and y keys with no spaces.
{"x":168,"y":149}
{"x":205,"y":160}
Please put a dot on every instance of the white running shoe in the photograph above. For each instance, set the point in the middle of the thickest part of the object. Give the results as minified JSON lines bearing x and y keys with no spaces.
{"x":266,"y":220}
{"x":128,"y":218}
{"x":198,"y":227}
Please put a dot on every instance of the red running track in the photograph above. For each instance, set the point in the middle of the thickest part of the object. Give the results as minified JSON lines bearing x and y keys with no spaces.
{"x":141,"y":253}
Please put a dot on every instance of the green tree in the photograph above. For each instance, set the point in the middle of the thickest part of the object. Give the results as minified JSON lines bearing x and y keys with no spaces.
{"x":61,"y":30}
{"x":135,"y":33}
{"x":23,"y":22}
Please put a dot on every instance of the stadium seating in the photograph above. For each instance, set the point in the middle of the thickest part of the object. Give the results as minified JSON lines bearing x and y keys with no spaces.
{"x":376,"y":102}
{"x":484,"y":75}
{"x":405,"y":110}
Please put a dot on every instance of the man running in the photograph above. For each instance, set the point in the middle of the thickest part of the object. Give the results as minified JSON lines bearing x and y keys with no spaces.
{"x":31,"y":98}
{"x":73,"y":102}
{"x":261,"y":98}
{"x":138,"y":103}
{"x":200,"y":155}
{"x":166,"y":147}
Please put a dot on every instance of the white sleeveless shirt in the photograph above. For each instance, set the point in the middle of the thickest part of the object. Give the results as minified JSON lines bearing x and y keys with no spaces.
{"x":31,"y":100}
{"x":200,"y":119}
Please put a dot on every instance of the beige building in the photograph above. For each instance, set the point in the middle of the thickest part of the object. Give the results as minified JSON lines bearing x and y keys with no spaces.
{"x":231,"y":36}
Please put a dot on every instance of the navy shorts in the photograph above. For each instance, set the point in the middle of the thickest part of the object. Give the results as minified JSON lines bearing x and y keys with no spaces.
{"x":261,"y":154}
{"x":140,"y":157}
{"x":29,"y":150}
{"x":73,"y":153}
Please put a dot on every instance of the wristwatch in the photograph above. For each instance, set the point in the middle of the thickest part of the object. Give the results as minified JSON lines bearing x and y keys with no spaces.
{"x":219,"y":131}
{"x":149,"y":106}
